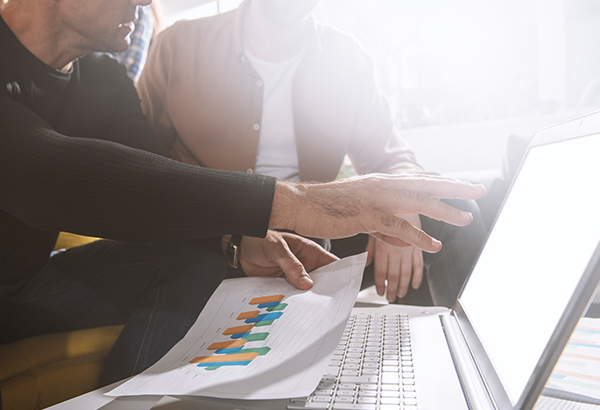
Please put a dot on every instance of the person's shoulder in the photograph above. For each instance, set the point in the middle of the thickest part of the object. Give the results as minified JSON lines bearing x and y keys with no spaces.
{"x":186,"y":28}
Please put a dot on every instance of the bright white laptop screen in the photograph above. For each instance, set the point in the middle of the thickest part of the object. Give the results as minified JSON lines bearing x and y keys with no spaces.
{"x":534,"y":257}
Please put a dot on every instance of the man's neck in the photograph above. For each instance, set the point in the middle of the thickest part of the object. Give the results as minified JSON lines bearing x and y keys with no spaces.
{"x":39,"y":37}
{"x":269,"y":41}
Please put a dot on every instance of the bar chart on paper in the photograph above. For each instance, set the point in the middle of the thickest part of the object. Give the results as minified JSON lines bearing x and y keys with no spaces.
{"x":578,"y":370}
{"x":258,"y":338}
{"x":238,"y":350}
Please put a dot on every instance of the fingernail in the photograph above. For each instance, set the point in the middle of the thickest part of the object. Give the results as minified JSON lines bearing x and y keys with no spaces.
{"x":436,"y":244}
{"x":305,"y":280}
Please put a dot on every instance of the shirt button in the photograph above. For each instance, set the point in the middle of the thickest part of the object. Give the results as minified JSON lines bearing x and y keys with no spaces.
{"x":256,"y":127}
{"x":249,"y":171}
{"x":259,"y":83}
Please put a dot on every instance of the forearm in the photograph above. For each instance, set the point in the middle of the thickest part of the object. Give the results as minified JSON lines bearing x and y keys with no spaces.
{"x":301,"y":207}
{"x":98,"y":188}
{"x":283,"y":212}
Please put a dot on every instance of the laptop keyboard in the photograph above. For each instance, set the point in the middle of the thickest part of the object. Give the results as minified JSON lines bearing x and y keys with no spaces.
{"x":371,"y":368}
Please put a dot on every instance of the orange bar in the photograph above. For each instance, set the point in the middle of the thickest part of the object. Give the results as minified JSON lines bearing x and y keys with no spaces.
{"x":266,"y":299}
{"x":239,"y":329}
{"x":248,"y":315}
{"x":227,"y":345}
{"x":236,"y":357}
{"x":580,"y":356}
{"x":579,"y":375}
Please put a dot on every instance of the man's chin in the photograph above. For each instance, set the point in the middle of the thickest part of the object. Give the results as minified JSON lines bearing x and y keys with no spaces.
{"x":119,"y":47}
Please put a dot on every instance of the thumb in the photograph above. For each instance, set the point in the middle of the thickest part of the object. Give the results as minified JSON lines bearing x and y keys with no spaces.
{"x":293,"y":269}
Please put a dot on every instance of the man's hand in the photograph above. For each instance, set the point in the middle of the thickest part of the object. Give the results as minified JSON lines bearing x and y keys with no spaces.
{"x":396,"y":265}
{"x":280,"y":254}
{"x":371,"y":204}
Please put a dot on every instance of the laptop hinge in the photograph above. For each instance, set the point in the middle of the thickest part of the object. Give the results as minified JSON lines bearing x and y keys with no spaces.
{"x":477,"y":394}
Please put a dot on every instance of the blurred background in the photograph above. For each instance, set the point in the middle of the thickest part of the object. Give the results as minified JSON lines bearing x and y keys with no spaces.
{"x":463,"y":76}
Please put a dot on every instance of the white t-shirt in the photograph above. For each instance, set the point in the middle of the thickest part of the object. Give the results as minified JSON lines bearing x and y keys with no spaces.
{"x":277,"y":154}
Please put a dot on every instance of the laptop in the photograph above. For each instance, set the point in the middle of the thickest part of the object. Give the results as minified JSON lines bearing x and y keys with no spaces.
{"x":496,"y":347}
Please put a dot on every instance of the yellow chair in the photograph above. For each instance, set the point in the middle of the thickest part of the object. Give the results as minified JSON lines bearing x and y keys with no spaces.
{"x":41,"y":371}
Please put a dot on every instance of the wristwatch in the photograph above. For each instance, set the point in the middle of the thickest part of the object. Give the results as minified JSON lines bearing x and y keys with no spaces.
{"x":232,"y":251}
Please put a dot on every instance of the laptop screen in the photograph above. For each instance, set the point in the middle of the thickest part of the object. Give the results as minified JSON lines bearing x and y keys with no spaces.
{"x":534,"y":257}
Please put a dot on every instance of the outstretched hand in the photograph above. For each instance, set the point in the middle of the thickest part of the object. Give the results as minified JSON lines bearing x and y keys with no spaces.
{"x":283,"y":254}
{"x":372,"y":204}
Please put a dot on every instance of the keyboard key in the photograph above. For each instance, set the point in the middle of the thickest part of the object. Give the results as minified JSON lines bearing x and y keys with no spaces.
{"x":390,"y":400}
{"x":367,"y":393}
{"x":352,"y":406}
{"x":347,"y":386}
{"x":322,"y":406}
{"x":359,"y":379}
{"x":332,"y":371}
{"x":391,"y":369}
{"x":298,"y":399}
{"x":390,"y":378}
{"x":391,"y":393}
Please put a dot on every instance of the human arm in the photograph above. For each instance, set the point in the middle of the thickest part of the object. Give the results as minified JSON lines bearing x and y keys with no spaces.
{"x":98,"y":188}
{"x":282,"y":254}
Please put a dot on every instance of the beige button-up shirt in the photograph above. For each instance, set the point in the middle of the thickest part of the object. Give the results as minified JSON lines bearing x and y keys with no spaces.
{"x":204,"y":100}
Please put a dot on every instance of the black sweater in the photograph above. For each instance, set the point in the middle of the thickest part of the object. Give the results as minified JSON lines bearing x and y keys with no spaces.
{"x":77,"y":155}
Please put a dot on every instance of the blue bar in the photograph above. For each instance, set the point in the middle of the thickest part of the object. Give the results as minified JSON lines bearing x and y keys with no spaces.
{"x":265,"y":305}
{"x":584,"y":345}
{"x":587,"y":330}
{"x":244,"y":363}
{"x":264,"y":317}
{"x":228,"y":351}
{"x":240,"y":335}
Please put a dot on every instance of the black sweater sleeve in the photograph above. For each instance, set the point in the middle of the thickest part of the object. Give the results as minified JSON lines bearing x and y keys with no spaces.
{"x":100,"y":188}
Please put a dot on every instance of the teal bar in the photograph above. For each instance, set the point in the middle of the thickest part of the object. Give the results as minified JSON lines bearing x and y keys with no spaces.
{"x":280,"y":306}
